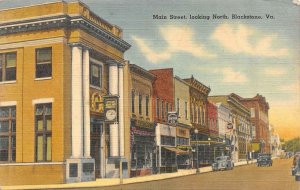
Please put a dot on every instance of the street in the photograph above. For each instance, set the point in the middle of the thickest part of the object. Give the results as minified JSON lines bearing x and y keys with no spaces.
{"x":240,"y":178}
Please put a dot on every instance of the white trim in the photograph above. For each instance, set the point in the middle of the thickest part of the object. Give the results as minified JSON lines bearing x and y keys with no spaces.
{"x":8,"y":103}
{"x":33,"y":23}
{"x":96,"y":61}
{"x":32,"y":163}
{"x":43,"y":78}
{"x":8,"y":82}
{"x":46,"y":41}
{"x":42,"y":101}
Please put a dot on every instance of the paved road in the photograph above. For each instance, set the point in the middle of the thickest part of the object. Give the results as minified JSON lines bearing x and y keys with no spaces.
{"x":250,"y":177}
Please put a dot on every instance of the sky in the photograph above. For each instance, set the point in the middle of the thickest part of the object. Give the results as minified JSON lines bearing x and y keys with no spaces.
{"x":243,"y":56}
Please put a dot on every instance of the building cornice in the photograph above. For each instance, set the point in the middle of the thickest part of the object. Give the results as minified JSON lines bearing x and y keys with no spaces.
{"x":67,"y":22}
{"x":194,"y":83}
{"x":142,"y":72}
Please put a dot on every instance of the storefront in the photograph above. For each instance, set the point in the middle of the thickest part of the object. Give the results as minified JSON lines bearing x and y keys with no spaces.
{"x":183,"y":143}
{"x":166,"y":145}
{"x":143,"y":157}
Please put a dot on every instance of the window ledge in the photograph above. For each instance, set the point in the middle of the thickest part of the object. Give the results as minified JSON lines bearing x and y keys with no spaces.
{"x":44,"y":78}
{"x":8,"y":82}
{"x":30,"y":163}
{"x":96,"y":87}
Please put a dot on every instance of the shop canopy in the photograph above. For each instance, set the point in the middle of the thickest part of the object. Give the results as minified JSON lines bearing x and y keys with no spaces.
{"x":176,"y":150}
{"x":207,"y":143}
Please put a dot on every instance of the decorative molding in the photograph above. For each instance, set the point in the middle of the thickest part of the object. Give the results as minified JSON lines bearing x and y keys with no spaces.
{"x":32,"y":164}
{"x":8,"y":103}
{"x":64,"y":21}
{"x":42,"y":101}
{"x":32,"y":43}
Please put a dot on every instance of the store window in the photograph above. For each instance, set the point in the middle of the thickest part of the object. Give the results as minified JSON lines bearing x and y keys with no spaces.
{"x":8,"y":65}
{"x":8,"y":134}
{"x":43,"y":132}
{"x":167,"y":140}
{"x":43,"y":62}
{"x":96,"y":75}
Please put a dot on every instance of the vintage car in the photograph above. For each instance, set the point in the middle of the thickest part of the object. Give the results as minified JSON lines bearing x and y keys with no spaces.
{"x":296,"y":170}
{"x":264,"y":160}
{"x":296,"y":161}
{"x":222,"y":163}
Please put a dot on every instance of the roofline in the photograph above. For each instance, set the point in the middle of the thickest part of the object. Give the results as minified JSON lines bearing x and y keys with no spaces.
{"x":38,"y":4}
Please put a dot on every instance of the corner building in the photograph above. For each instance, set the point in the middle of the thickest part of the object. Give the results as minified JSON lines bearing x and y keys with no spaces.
{"x":57,"y":62}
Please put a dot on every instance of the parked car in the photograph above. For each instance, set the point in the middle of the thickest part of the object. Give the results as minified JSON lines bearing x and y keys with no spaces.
{"x":222,"y":163}
{"x":296,"y":170}
{"x":264,"y":160}
{"x":295,"y":166}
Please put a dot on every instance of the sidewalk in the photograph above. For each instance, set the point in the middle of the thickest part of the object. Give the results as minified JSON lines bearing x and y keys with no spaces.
{"x":116,"y":181}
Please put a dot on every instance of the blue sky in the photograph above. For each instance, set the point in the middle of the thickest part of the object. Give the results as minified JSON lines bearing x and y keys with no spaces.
{"x":233,"y":55}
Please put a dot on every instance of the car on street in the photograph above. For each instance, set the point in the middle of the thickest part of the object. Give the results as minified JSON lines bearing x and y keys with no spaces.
{"x":222,"y":163}
{"x":264,"y":160}
{"x":295,"y":166}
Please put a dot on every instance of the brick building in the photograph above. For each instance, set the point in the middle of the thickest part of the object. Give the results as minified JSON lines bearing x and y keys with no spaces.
{"x":259,"y":109}
{"x":163,"y":102}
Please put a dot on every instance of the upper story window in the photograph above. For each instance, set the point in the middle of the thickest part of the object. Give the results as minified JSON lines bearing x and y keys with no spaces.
{"x":8,"y":134}
{"x":132,"y":101}
{"x":157,"y":108}
{"x":43,"y":62}
{"x":147,"y":105}
{"x":178,"y":106}
{"x":140,"y":103}
{"x":162,"y":109}
{"x":185,"y":110}
{"x":96,"y":74}
{"x":8,"y":65}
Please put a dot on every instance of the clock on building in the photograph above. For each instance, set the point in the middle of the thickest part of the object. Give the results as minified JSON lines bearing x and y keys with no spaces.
{"x":111,"y":115}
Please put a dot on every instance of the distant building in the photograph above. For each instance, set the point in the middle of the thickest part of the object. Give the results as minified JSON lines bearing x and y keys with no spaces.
{"x":241,"y":129}
{"x":259,"y":109}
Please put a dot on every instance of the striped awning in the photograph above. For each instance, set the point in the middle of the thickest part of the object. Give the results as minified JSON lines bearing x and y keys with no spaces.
{"x":176,"y":150}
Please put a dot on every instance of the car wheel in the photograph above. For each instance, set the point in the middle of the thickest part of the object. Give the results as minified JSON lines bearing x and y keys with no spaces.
{"x":297,"y":177}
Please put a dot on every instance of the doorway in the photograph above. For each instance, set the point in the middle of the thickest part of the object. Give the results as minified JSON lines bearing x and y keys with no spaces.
{"x":95,"y":135}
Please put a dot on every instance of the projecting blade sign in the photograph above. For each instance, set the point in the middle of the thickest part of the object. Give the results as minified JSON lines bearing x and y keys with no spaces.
{"x":172,"y":118}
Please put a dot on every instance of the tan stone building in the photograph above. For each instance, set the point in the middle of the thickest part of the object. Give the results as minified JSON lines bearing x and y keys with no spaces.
{"x":142,"y":131}
{"x":57,"y":63}
{"x":240,"y":117}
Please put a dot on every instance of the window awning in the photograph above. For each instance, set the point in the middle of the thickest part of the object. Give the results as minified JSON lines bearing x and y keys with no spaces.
{"x":176,"y":150}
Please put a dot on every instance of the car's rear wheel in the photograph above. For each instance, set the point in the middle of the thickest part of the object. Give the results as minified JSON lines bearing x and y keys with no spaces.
{"x":297,"y":177}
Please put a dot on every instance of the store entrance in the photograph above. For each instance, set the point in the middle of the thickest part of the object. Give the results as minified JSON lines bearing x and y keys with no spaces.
{"x":96,"y":131}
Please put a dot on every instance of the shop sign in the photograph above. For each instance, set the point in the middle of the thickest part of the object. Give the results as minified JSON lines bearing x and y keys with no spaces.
{"x":111,"y":108}
{"x":96,"y":103}
{"x":143,"y":124}
{"x":172,"y":118}
{"x":182,"y":132}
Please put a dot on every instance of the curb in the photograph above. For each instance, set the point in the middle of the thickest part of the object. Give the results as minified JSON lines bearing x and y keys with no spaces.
{"x":116,"y":181}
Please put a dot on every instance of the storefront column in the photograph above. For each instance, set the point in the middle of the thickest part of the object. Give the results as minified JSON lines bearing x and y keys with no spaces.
{"x":77,"y":115}
{"x":114,"y":128}
{"x":86,"y":102}
{"x":121,"y":111}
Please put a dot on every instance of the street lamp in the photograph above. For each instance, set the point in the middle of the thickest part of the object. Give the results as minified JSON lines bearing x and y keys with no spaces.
{"x":209,"y":152}
{"x":197,"y":167}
